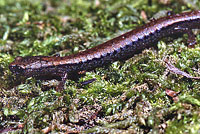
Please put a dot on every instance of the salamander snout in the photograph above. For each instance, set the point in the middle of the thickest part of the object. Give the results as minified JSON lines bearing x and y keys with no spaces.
{"x":16,"y":69}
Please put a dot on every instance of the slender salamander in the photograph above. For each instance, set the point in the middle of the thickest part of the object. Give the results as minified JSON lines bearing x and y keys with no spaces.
{"x":119,"y":48}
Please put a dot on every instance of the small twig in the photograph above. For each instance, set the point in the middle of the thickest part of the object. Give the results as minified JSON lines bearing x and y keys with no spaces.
{"x":175,"y":70}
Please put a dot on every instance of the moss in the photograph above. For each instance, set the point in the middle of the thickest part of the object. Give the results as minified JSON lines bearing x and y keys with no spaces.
{"x":127,"y":97}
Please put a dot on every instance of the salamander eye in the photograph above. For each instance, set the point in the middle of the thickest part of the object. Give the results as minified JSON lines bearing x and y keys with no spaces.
{"x":16,"y":69}
{"x":18,"y":58}
{"x":19,"y":69}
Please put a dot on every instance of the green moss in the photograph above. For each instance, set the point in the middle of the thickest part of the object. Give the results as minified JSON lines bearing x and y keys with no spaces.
{"x":129,"y":96}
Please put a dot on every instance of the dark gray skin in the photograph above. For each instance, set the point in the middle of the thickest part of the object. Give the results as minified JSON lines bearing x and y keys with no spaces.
{"x":119,"y":48}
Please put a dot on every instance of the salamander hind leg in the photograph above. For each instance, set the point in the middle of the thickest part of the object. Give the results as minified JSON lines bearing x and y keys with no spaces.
{"x":191,"y":37}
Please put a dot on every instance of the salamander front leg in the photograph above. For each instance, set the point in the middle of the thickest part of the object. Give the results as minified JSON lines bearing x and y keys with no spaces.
{"x":62,"y":83}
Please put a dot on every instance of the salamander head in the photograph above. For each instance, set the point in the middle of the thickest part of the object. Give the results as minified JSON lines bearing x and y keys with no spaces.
{"x":26,"y":66}
{"x":17,"y":67}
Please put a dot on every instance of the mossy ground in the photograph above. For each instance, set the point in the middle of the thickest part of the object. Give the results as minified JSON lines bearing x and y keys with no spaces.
{"x":127,"y":97}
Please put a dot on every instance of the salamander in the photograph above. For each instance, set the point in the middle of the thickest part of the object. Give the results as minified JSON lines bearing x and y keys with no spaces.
{"x":120,"y":48}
